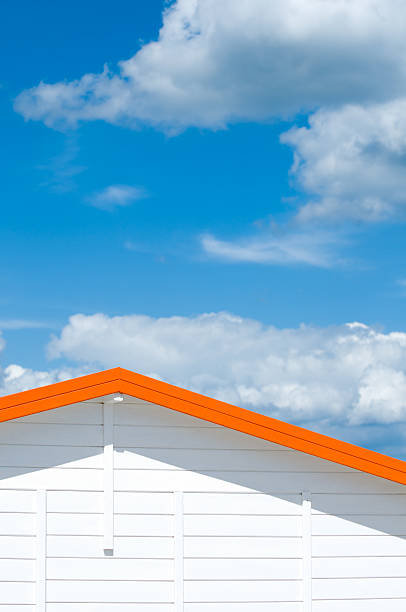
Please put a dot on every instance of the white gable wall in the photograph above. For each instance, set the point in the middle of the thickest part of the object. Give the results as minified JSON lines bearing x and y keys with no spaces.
{"x":242,"y":519}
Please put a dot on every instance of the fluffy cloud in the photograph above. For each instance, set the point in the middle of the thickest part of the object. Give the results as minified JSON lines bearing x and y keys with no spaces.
{"x":215,"y":63}
{"x":313,"y":248}
{"x":351,"y":161}
{"x":219,"y":62}
{"x":116,"y":195}
{"x":15,"y":378}
{"x":347,"y":381}
{"x":347,"y":375}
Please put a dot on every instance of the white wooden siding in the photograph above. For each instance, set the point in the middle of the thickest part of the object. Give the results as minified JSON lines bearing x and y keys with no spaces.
{"x":242,"y":519}
{"x":124,"y":547}
{"x":48,"y":456}
{"x":243,"y":547}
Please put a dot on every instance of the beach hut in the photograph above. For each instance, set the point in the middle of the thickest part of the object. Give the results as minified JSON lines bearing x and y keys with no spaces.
{"x":122,"y":493}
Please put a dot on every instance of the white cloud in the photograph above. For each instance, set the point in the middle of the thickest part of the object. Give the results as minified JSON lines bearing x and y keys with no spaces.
{"x":15,"y":378}
{"x":383,"y":391}
{"x":116,"y":195}
{"x":215,"y":63}
{"x":219,"y":62}
{"x":348,"y":381}
{"x":314,"y":248}
{"x":332,"y":377}
{"x":351,"y":161}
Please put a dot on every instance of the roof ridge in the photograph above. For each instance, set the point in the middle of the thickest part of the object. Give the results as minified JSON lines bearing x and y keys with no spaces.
{"x":121,"y":380}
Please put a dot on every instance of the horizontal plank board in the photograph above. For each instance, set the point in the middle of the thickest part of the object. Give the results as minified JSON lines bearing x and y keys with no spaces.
{"x":12,"y":432}
{"x":239,"y":591}
{"x":359,"y":504}
{"x":17,"y":501}
{"x":125,"y":502}
{"x":147,"y":414}
{"x":143,"y":525}
{"x":221,"y":525}
{"x":43,"y":456}
{"x":110,"y":568}
{"x":81,"y":413}
{"x":144,"y":503}
{"x":219,"y":459}
{"x":108,"y":607}
{"x":267,"y":482}
{"x":75,"y":501}
{"x":92,"y":546}
{"x":17,"y":608}
{"x":254,"y":606}
{"x":189,"y":607}
{"x":17,"y":524}
{"x":124,"y":525}
{"x":186,"y":437}
{"x":74,"y":546}
{"x":144,"y":547}
{"x":243,"y":547}
{"x":325,"y":524}
{"x":359,"y":567}
{"x":52,"y":478}
{"x":19,"y":547}
{"x":74,"y":524}
{"x":241,"y":503}
{"x":359,"y":588}
{"x":17,"y":593}
{"x":343,"y":546}
{"x":109,"y":591}
{"x":242,"y":569}
{"x":17,"y":569}
{"x":359,"y":605}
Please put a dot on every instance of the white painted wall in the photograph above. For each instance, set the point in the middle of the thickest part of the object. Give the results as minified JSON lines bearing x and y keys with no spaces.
{"x":231,"y":503}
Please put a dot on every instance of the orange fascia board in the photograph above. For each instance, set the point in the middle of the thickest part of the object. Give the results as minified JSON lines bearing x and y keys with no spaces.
{"x":119,"y":380}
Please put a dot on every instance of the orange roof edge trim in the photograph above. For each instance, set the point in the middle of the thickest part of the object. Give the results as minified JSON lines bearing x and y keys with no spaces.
{"x":119,"y":380}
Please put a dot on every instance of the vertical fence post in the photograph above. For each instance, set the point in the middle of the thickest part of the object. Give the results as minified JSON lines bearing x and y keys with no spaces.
{"x":307,"y":550}
{"x":179,"y":552}
{"x":108,"y":477}
{"x":41,"y":549}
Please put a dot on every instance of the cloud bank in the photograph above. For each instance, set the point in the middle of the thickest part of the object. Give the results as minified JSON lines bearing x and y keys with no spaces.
{"x":220,"y":62}
{"x":349,"y":373}
{"x":347,"y":381}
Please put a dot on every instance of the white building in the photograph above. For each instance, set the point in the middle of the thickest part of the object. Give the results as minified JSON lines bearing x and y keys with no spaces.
{"x":121,"y":493}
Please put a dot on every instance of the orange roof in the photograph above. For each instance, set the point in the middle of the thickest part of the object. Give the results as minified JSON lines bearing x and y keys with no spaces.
{"x":118,"y":380}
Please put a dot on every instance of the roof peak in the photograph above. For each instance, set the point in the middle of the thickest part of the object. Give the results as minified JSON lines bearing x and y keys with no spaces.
{"x":121,"y":380}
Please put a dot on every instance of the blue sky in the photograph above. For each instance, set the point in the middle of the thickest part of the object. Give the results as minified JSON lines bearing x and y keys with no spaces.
{"x":247,"y":160}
